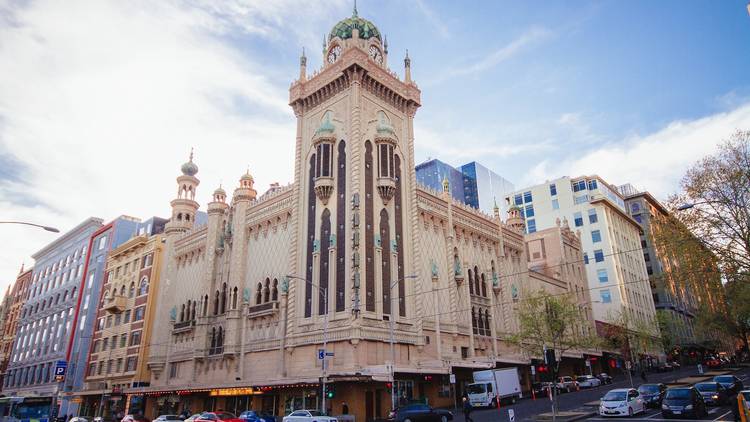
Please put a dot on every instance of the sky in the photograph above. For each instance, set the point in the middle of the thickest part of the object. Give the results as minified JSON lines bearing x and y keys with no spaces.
{"x":101,"y":101}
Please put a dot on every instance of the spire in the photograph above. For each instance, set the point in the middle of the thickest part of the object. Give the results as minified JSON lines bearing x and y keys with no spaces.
{"x":446,"y":184}
{"x":496,"y":209}
{"x":385,"y":44}
{"x":303,"y":66}
{"x":407,"y":68}
{"x":325,"y":44}
{"x":354,"y":13}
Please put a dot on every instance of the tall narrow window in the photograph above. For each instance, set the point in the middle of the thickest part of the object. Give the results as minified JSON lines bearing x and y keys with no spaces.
{"x":325,"y":243}
{"x":385,"y":235}
{"x":369,"y":231}
{"x":341,"y":228}
{"x":311,"y":202}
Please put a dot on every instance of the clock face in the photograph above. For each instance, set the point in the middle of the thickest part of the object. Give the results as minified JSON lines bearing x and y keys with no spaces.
{"x":375,"y":55}
{"x":334,"y":54}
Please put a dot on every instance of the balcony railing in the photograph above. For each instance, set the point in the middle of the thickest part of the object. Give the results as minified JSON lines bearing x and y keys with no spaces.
{"x":263,"y":309}
{"x":115,"y":305}
{"x":183,"y":326}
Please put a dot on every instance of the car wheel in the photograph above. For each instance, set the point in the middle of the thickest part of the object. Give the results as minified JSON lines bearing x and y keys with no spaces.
{"x":493,"y":404}
{"x":407,"y":420}
{"x":443,"y":418}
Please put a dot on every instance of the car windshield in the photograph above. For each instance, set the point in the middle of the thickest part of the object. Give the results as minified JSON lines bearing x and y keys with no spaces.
{"x":681,"y":393}
{"x":706,"y":387}
{"x":172,"y":417}
{"x":582,"y":379}
{"x":649,"y":388}
{"x":615,"y":396}
{"x":475,"y":388}
{"x":315,"y":413}
{"x":726,"y":379}
{"x":209,"y":416}
{"x":225,"y":416}
{"x":249,"y":413}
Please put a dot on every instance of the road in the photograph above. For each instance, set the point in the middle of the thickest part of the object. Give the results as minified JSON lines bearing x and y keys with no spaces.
{"x":526,"y":409}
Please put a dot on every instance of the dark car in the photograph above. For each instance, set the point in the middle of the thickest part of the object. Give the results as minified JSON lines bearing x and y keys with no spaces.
{"x":683,"y":401}
{"x":605,"y":378}
{"x":253,"y":416}
{"x":418,"y":412}
{"x":713,"y":393}
{"x":652,"y":394}
{"x":730,"y":382}
{"x":218,"y":416}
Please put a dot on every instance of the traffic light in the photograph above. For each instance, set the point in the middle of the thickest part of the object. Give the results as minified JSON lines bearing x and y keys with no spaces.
{"x":330,"y":391}
{"x":388,"y":386}
{"x":428,"y":378}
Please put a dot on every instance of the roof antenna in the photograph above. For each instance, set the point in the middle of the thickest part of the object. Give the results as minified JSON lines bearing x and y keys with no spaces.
{"x":355,"y":9}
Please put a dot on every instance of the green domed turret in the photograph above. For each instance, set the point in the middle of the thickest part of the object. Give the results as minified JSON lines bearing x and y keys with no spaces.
{"x":344,"y":28}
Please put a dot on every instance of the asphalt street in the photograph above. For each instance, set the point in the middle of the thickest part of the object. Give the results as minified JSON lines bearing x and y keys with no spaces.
{"x":526,"y":409}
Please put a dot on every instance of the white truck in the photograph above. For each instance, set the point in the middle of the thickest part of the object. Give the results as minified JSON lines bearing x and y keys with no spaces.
{"x":492,"y":385}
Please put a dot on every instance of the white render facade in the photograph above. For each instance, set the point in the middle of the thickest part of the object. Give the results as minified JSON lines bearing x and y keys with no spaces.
{"x":610,"y":239}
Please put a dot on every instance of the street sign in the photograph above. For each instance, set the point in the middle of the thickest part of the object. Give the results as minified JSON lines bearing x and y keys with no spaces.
{"x":453,"y":378}
{"x":588,"y":362}
{"x":60,"y":369}
{"x":329,"y":354}
{"x":627,"y":364}
{"x":533,"y":370}
{"x":321,"y":354}
{"x":511,"y":415}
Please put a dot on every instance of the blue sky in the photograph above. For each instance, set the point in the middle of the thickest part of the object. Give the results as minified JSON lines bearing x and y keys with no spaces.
{"x":101,"y":101}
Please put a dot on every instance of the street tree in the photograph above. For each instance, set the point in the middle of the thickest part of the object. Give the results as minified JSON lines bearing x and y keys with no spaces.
{"x":547,"y":321}
{"x":718,"y":188}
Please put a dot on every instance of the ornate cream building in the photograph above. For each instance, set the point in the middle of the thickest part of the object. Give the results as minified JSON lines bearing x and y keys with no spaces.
{"x":241,"y":314}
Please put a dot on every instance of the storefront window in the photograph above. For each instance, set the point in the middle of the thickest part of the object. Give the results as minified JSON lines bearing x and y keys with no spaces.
{"x":404,"y":391}
{"x":306,"y":399}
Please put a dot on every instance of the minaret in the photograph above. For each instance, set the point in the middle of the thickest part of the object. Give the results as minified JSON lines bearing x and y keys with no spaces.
{"x":407,"y":68}
{"x":184,"y":206}
{"x":244,"y":194}
{"x":515,"y":219}
{"x":303,"y":66}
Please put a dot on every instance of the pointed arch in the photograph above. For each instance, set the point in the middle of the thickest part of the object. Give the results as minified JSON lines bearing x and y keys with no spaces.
{"x":223,"y":303}
{"x":131,"y":290}
{"x":325,"y":244}
{"x":471,"y":282}
{"x":234,"y":297}
{"x":385,"y":236}
{"x":182,"y":313}
{"x":266,"y":290}
{"x":369,"y":231}
{"x":275,"y":290}
{"x":484,"y":286}
{"x":341,"y":207}
{"x":311,"y":203}
{"x":216,"y":303}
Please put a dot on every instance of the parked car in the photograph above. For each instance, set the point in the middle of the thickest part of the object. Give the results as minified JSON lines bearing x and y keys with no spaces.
{"x":676,"y":365}
{"x":308,"y":416}
{"x":652,"y":394}
{"x":78,"y":419}
{"x":541,"y":388}
{"x":128,"y":418}
{"x":168,"y":418}
{"x":190,"y":419}
{"x":712,"y":362}
{"x":713,"y":393}
{"x":621,"y":402}
{"x":567,"y":383}
{"x":683,"y":401}
{"x":733,"y":384}
{"x":605,"y":378}
{"x":218,"y":416}
{"x":253,"y":416}
{"x":588,"y":381}
{"x":418,"y":412}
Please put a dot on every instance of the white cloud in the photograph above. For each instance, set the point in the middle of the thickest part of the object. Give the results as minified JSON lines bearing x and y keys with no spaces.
{"x":523,"y":42}
{"x":433,"y":19}
{"x":654,"y":162}
{"x":101,"y":101}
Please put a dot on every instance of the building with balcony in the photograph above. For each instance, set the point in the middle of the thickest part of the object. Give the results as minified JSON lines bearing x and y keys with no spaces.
{"x":122,"y":333}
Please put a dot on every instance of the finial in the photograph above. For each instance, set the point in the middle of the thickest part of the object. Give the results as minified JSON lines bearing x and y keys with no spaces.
{"x":446,"y":184}
{"x":385,"y":43}
{"x":354,"y":14}
{"x":191,"y":154}
{"x":494,"y":198}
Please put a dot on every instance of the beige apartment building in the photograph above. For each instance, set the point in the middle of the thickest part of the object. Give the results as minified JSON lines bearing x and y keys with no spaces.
{"x":15,"y":298}
{"x":123,"y":331}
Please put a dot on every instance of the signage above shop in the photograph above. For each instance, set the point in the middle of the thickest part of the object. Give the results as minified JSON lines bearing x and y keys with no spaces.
{"x":238,"y":391}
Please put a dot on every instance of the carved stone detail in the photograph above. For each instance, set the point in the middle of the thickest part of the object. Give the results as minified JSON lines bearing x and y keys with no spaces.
{"x":324,"y":188}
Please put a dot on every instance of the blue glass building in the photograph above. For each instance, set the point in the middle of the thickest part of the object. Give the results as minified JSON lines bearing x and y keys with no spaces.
{"x":472,"y":184}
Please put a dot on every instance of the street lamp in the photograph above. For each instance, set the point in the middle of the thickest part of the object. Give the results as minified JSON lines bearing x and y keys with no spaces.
{"x":688,"y":205}
{"x":324,"y":293}
{"x":393,"y":347}
{"x":48,"y":228}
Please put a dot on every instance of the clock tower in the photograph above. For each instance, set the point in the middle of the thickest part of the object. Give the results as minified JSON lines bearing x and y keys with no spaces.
{"x":356,"y":220}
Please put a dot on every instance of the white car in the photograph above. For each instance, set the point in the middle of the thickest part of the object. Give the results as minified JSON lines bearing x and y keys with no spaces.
{"x":588,"y":381}
{"x":308,"y":416}
{"x":621,"y":402}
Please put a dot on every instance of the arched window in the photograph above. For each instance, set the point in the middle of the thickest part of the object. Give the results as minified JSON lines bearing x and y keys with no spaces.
{"x":122,"y":291}
{"x":258,"y":294}
{"x":65,"y":296}
{"x":471,"y":283}
{"x":131,"y":290}
{"x":192,"y":312}
{"x":220,"y":340}
{"x":143,"y":286}
{"x":487,"y":322}
{"x":179,"y":216}
{"x":474,"y":320}
{"x":275,"y":290}
{"x":182,"y":313}
{"x":234,"y":298}
{"x":476,"y":279}
{"x":223,"y":298}
{"x":213,"y":341}
{"x":484,"y":286}
{"x":266,"y":290}
{"x":73,"y":294}
{"x":480,"y":322}
{"x":216,"y":303}
{"x":205,"y":305}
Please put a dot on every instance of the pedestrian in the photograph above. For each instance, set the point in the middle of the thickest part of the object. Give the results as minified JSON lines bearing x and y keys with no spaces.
{"x":344,"y":409}
{"x":643,"y":375}
{"x":467,"y":410}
